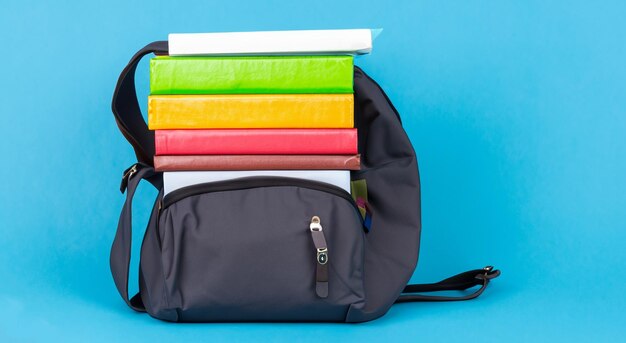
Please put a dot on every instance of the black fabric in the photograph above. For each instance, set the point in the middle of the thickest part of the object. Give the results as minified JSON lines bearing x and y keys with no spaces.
{"x":247,"y":255}
{"x":389,"y":166}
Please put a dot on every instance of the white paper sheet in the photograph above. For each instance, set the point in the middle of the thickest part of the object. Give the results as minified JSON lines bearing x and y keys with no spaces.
{"x":175,"y":180}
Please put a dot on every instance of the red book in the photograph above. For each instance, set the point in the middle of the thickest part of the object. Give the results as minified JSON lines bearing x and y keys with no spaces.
{"x":256,"y":142}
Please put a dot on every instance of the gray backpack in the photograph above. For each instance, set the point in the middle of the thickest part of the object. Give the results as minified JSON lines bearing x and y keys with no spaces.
{"x":275,"y":248}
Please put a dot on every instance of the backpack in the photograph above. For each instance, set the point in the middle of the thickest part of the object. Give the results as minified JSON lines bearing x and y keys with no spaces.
{"x":274,"y":248}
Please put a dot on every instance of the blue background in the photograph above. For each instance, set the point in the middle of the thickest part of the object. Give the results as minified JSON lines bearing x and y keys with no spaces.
{"x":517,"y":111}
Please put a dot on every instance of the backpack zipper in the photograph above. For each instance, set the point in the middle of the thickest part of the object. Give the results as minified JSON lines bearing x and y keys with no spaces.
{"x":321,"y":256}
{"x":256,"y":182}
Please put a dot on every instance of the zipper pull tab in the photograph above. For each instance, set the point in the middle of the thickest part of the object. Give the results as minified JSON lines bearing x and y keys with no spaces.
{"x":321,"y":249}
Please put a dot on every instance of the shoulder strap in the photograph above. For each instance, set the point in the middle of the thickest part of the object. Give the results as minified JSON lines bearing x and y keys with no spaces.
{"x":132,"y":125}
{"x":459,"y":282}
{"x":126,"y":107}
{"x":121,"y":248}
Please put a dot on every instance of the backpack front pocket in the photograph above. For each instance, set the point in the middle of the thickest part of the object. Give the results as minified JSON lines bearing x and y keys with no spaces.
{"x":261,"y":248}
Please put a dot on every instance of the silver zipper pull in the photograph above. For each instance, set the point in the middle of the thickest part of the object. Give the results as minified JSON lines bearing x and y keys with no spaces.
{"x":321,"y":250}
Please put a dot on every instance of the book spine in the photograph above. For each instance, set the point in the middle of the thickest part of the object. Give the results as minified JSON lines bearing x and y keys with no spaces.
{"x":250,"y":111}
{"x":251,"y":75}
{"x":256,"y":142}
{"x":256,"y":162}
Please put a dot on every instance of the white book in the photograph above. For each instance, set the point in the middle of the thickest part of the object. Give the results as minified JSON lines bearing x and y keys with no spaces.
{"x":175,"y":180}
{"x":352,"y":41}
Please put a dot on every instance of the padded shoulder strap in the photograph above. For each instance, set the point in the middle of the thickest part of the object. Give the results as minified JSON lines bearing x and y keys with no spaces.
{"x":126,"y":107}
{"x":121,"y":248}
{"x":459,"y":282}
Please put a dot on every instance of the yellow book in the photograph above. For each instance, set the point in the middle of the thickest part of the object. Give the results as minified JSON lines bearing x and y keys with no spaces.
{"x":231,"y":111}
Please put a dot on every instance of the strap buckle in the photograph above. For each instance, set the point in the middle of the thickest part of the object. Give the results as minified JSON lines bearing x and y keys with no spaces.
{"x":128,"y":173}
{"x":488,"y":273}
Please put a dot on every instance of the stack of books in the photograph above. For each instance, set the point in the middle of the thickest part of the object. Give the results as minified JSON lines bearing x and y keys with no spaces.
{"x":279,"y":103}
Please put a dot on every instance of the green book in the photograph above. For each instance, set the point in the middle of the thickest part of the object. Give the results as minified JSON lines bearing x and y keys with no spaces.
{"x":251,"y":75}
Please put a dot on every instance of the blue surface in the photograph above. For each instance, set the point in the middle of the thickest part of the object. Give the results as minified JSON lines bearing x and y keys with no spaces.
{"x":517,"y":111}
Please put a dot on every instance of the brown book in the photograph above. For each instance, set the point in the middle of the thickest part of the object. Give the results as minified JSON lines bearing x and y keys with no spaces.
{"x":256,"y":162}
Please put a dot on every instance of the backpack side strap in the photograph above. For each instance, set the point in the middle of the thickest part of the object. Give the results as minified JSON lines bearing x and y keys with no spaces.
{"x":126,"y":107}
{"x":459,"y":282}
{"x":121,"y":248}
